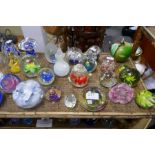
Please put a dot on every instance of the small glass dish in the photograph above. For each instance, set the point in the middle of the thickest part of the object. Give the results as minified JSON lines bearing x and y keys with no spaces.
{"x":92,"y":99}
{"x":46,"y":76}
{"x":53,"y":94}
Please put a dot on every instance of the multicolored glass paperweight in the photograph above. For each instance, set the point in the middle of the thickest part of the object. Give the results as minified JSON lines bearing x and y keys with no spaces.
{"x":28,"y":94}
{"x":70,"y":101}
{"x":108,"y":64}
{"x":121,"y":93}
{"x":30,"y":66}
{"x":79,"y":76}
{"x":108,"y":79}
{"x":92,"y":99}
{"x":46,"y":76}
{"x":28,"y":45}
{"x":9,"y":83}
{"x":53,"y":94}
{"x":74,"y":55}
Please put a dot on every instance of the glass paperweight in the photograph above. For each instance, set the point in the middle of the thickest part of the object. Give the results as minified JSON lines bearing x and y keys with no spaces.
{"x":79,"y":76}
{"x":108,"y":64}
{"x":28,"y":45}
{"x":74,"y":55}
{"x":28,"y":94}
{"x":50,"y":51}
{"x":61,"y":67}
{"x":46,"y":76}
{"x":93,"y":52}
{"x":70,"y":101}
{"x":12,"y":57}
{"x":130,"y":76}
{"x":108,"y":79}
{"x":53,"y":94}
{"x":92,"y":99}
{"x":121,"y":93}
{"x":90,"y":65}
{"x":9,"y":82}
{"x":30,"y":66}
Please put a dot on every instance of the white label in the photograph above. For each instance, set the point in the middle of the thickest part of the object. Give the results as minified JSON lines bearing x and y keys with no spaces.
{"x":92,"y":96}
{"x":110,"y":58}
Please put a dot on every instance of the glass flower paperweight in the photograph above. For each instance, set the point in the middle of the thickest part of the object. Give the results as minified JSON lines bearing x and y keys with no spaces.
{"x":70,"y":101}
{"x":53,"y":94}
{"x":79,"y":76}
{"x":130,"y":76}
{"x":121,"y":93}
{"x":30,"y":66}
{"x":28,"y":94}
{"x":61,"y":67}
{"x":108,"y":79}
{"x":74,"y":55}
{"x":12,"y":57}
{"x":9,"y":82}
{"x":92,"y":99}
{"x":28,"y":45}
{"x":46,"y":76}
{"x":108,"y":64}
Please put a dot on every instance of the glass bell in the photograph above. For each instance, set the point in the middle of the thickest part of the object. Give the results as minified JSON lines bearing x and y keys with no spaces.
{"x":74,"y":55}
{"x":11,"y":57}
{"x":30,"y":66}
{"x":79,"y":76}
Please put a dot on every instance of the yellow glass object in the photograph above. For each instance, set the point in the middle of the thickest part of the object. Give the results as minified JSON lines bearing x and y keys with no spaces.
{"x":14,"y":63}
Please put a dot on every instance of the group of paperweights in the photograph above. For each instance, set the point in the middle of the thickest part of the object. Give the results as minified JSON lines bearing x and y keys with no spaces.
{"x":75,"y":65}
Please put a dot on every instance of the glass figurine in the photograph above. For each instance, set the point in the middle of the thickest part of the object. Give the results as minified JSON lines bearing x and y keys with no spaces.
{"x":70,"y":101}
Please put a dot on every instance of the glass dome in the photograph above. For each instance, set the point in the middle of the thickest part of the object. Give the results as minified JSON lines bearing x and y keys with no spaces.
{"x":79,"y":76}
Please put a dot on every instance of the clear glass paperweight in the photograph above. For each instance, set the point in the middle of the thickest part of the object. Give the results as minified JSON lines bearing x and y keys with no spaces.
{"x":74,"y":55}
